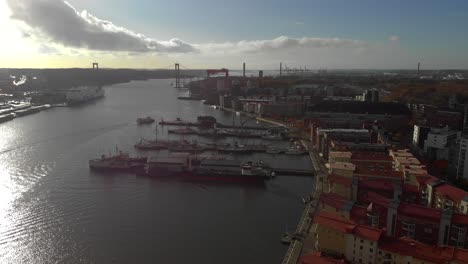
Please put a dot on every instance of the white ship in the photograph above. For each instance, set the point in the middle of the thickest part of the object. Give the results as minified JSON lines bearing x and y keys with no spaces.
{"x":84,"y":94}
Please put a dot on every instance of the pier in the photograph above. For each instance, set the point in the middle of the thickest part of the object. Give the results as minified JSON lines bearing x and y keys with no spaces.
{"x":304,"y":242}
{"x":293,"y":172}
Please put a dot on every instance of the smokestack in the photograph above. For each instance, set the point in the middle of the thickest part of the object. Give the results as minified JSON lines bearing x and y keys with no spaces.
{"x":243,"y":71}
{"x":419,"y":65}
{"x":281,"y":69}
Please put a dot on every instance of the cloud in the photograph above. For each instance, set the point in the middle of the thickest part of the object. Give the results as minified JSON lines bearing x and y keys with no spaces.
{"x":394,"y":38}
{"x":282,"y":43}
{"x":59,"y":22}
{"x":45,"y":49}
{"x":299,"y":23}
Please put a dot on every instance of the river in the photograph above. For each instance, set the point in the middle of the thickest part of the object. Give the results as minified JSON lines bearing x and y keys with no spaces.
{"x":53,"y":209}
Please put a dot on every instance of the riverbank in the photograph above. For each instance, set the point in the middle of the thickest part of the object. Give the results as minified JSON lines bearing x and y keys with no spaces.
{"x":301,"y":242}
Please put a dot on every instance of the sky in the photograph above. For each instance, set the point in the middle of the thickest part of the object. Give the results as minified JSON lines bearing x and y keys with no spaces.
{"x":317,"y":34}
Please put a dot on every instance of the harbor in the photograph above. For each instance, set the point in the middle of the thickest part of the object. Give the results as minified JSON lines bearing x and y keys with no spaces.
{"x":47,"y":155}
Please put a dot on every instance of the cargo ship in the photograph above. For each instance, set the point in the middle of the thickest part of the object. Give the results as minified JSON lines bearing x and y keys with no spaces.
{"x":83,"y":94}
{"x":209,"y":169}
{"x":118,"y":162}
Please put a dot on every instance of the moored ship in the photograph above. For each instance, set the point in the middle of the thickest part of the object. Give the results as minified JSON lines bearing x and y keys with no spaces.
{"x":210,"y":169}
{"x":145,"y":120}
{"x":83,"y":94}
{"x":118,"y":162}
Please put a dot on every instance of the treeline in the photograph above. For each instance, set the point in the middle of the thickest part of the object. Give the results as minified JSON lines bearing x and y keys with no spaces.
{"x":429,"y":92}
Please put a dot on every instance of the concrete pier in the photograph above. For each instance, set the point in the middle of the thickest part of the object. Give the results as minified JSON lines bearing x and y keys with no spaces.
{"x":305,"y":244}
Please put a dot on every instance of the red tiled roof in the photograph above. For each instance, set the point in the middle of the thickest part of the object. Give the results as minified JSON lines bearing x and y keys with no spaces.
{"x":364,"y":156}
{"x":460,"y":219}
{"x":410,"y":188}
{"x":317,"y":258}
{"x":388,"y":173}
{"x":378,"y":199}
{"x":332,"y":199}
{"x":409,"y":247}
{"x":421,"y":212}
{"x":376,"y":185}
{"x":339,"y":223}
{"x":358,"y":213}
{"x":424,"y":179}
{"x":452,"y":192}
{"x":342,"y":180}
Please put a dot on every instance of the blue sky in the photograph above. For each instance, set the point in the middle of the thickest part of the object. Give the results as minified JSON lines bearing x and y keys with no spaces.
{"x":431,"y":31}
{"x":416,"y":21}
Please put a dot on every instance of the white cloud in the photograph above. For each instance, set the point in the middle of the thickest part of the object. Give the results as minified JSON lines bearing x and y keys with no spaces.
{"x":281,"y":43}
{"x":59,"y":22}
{"x":46,"y":49}
{"x":394,"y":38}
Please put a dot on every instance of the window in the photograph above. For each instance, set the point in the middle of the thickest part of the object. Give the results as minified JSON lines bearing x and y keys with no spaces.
{"x":360,"y":247}
{"x":428,"y":230}
{"x":409,"y":228}
{"x":371,"y":250}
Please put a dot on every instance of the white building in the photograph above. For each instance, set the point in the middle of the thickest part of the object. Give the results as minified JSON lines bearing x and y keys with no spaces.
{"x":441,"y":144}
{"x":462,"y":164}
{"x":420,"y":135}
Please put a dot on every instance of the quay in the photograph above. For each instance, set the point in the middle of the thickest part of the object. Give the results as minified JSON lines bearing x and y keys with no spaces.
{"x":300,"y":242}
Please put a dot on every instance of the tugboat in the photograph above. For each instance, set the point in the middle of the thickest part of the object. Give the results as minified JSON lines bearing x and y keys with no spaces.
{"x":118,"y":162}
{"x":145,"y":120}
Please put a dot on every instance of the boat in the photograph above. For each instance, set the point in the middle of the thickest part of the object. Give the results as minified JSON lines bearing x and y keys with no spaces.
{"x":295,"y":151}
{"x":236,"y":150}
{"x":286,"y":238}
{"x":189,"y":148}
{"x":154,"y":144}
{"x":272,"y":137}
{"x":118,"y":162}
{"x":177,"y":122}
{"x":145,"y":120}
{"x":273,"y":151}
{"x":83,"y":94}
{"x":183,"y":131}
{"x":212,"y":170}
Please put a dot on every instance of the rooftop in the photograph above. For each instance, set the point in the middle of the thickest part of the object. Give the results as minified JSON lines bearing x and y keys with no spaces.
{"x":409,"y":247}
{"x":339,"y":223}
{"x":342,"y":180}
{"x":340,"y":154}
{"x":453,"y":193}
{"x":342,"y":166}
{"x":407,"y":160}
{"x":317,"y":258}
{"x":354,"y":107}
{"x":365,"y":156}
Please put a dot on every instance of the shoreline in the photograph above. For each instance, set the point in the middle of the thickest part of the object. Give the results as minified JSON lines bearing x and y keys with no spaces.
{"x":301,"y":242}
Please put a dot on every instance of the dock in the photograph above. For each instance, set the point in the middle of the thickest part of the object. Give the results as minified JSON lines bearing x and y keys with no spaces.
{"x":293,"y":172}
{"x":306,"y":243}
{"x":180,"y":122}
